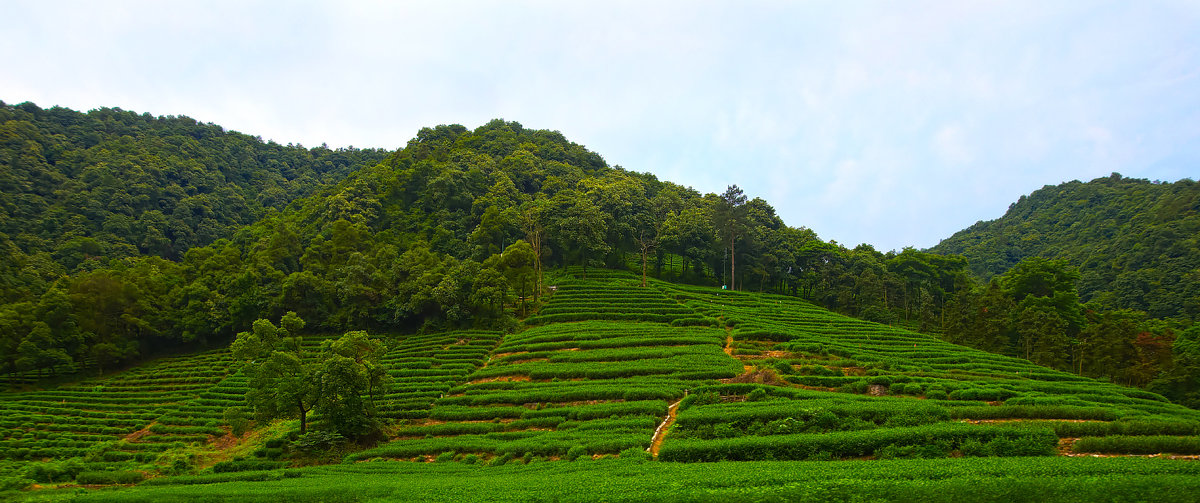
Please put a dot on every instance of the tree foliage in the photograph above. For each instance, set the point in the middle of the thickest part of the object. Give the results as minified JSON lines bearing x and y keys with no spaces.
{"x":341,"y":381}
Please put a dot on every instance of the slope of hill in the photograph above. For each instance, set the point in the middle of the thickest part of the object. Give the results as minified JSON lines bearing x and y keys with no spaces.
{"x":1134,"y":241}
{"x":728,"y":375}
{"x":80,"y":189}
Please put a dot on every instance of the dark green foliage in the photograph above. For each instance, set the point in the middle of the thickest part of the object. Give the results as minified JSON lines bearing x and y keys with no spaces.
{"x":575,"y":452}
{"x":1025,"y":441}
{"x":315,"y":441}
{"x":246,"y":465}
{"x":1124,"y":234}
{"x":1120,"y":444}
{"x":109,"y":477}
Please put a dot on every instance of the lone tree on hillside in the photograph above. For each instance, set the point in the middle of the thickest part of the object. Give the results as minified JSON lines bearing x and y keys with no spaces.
{"x":729,"y":218}
{"x":341,"y":381}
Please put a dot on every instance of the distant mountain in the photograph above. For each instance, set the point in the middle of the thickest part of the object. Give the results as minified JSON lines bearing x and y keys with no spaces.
{"x":79,"y":189}
{"x":1136,"y":243}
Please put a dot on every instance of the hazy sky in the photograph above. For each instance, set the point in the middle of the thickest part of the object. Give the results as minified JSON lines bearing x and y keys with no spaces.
{"x":892,"y":123}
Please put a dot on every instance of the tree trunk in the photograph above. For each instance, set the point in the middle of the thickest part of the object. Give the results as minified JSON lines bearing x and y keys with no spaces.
{"x":537,"y":265}
{"x":732,"y":268}
{"x":643,"y":267}
{"x":303,"y":417}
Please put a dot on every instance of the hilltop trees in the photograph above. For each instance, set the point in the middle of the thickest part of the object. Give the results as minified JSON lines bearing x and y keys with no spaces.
{"x":1129,"y":239}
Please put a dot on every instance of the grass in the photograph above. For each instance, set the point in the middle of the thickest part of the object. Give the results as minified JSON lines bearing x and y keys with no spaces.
{"x":615,"y":480}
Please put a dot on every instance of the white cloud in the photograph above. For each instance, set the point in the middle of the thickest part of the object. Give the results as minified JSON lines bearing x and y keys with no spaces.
{"x":895,"y":125}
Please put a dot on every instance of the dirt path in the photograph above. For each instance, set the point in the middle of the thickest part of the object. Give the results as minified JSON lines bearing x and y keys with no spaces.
{"x":729,"y":344}
{"x":661,"y":432}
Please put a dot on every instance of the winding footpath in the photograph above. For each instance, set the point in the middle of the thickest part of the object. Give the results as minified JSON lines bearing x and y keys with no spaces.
{"x":662,"y":428}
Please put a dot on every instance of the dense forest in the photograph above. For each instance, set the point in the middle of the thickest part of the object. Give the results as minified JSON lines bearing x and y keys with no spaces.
{"x":1134,"y":241}
{"x":459,"y":229}
{"x":80,"y":189}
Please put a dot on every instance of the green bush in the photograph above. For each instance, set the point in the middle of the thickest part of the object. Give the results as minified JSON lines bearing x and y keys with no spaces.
{"x":14,"y":483}
{"x":49,"y":472}
{"x":238,"y":420}
{"x":1122,"y":444}
{"x":109,"y":477}
{"x":318,"y":440}
{"x":576,"y":452}
{"x":854,"y":443}
{"x":634,"y":454}
{"x":501,"y":460}
{"x":245,"y":465}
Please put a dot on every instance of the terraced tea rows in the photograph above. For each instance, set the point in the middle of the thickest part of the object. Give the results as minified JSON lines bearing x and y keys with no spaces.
{"x":138,"y":422}
{"x":567,"y":390}
{"x":753,"y":377}
{"x":611,"y":295}
{"x":944,"y":398}
{"x":425,"y":367}
{"x":116,"y":423}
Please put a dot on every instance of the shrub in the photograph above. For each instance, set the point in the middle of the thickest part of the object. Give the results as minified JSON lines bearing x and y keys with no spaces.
{"x":47,"y":472}
{"x":109,"y":477}
{"x":936,"y":394}
{"x":445,"y":457}
{"x":1138,"y":445}
{"x":246,"y":466}
{"x":1025,"y":445}
{"x":880,"y":380}
{"x":973,"y":447}
{"x":237,"y":419}
{"x":501,"y":460}
{"x":701,"y":398}
{"x":634,"y":454}
{"x":575,"y":452}
{"x":318,"y":440}
{"x":14,"y":483}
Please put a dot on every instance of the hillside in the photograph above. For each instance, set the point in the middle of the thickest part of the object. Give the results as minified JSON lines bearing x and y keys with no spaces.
{"x":78,"y":190}
{"x":1134,"y":241}
{"x":455,"y":230}
{"x":469,"y":301}
{"x":572,"y":405}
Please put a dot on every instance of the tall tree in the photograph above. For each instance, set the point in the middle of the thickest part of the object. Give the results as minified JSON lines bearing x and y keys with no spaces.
{"x":282,"y":382}
{"x":729,"y":218}
{"x":580,"y":226}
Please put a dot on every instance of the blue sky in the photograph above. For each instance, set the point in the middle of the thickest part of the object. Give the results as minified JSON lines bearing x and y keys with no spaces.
{"x":890,"y":123}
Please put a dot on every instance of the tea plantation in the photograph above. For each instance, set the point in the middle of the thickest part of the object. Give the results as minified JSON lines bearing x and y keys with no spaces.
{"x":618,"y":392}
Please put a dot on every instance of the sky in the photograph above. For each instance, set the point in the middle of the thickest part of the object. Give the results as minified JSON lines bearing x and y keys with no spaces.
{"x":891,"y":123}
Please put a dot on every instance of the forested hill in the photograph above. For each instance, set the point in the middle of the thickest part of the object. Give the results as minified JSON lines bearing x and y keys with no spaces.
{"x":80,"y":189}
{"x":130,"y":244}
{"x":1135,"y":242}
{"x":413,"y":242}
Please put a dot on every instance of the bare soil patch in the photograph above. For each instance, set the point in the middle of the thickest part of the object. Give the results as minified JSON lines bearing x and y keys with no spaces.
{"x":764,"y":376}
{"x":512,"y":378}
{"x":137,"y":435}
